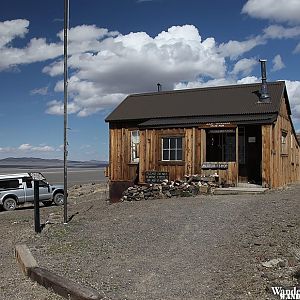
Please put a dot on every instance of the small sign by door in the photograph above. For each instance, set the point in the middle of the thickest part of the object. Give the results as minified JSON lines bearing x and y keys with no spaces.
{"x":155,"y":176}
{"x":251,"y":139}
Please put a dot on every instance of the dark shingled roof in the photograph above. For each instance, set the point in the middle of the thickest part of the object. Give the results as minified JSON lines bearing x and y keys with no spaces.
{"x":210,"y":101}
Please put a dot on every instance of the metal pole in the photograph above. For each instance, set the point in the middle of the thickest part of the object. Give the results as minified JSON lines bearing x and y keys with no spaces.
{"x":66,"y":25}
{"x":37,"y":220}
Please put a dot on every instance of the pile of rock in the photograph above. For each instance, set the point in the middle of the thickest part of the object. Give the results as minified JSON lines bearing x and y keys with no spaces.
{"x":193,"y":186}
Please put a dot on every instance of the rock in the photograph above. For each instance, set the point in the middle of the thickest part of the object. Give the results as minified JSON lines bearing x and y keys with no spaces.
{"x":273,"y":263}
{"x":168,"y":194}
{"x":204,"y":189}
{"x":193,"y":185}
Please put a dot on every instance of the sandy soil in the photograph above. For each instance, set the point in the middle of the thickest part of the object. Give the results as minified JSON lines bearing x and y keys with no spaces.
{"x":207,"y":247}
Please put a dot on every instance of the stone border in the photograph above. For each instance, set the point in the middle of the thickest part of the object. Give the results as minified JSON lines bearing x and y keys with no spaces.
{"x":60,"y":285}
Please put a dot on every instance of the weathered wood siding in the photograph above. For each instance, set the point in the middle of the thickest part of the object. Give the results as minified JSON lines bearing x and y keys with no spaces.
{"x":151,"y":152}
{"x":194,"y":154}
{"x":120,"y":166}
{"x":229,"y":175}
{"x":279,"y":169}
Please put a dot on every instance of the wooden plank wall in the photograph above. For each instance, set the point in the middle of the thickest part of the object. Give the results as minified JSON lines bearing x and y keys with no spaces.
{"x":150,"y":152}
{"x":279,"y":169}
{"x":120,"y":168}
{"x":267,"y":157}
{"x":229,"y":175}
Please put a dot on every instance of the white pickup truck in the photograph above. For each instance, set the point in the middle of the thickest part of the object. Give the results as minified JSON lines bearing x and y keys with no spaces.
{"x":17,"y":189}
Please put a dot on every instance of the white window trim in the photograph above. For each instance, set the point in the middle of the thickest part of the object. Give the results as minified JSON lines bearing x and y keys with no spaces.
{"x":133,"y":145}
{"x":284,"y":142}
{"x":169,"y":148}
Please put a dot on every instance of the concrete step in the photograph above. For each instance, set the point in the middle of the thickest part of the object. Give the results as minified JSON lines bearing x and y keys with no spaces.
{"x":248,"y":185}
{"x":239,"y":190}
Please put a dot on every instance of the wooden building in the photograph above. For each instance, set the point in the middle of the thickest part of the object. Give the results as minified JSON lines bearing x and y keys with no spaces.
{"x":242,"y":132}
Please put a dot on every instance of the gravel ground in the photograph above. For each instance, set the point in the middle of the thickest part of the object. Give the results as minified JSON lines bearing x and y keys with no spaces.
{"x":207,"y":247}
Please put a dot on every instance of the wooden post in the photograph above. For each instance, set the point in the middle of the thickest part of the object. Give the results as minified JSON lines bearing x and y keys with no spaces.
{"x":37,"y":219}
{"x":193,"y":150}
{"x":203,"y":146}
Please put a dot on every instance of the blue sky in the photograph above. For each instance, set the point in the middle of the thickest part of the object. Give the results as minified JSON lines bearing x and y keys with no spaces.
{"x":118,"y":47}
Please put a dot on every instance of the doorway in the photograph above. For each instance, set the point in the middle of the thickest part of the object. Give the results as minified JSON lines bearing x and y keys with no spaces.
{"x":250,"y":154}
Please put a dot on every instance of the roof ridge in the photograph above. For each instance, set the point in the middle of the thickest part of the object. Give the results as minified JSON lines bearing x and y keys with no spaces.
{"x":204,"y":88}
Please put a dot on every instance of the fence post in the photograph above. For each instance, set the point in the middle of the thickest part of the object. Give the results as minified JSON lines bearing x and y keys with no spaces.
{"x":37,"y":220}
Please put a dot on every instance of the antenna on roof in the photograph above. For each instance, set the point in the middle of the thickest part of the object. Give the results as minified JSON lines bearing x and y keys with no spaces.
{"x":264,"y":96}
{"x":158,"y":87}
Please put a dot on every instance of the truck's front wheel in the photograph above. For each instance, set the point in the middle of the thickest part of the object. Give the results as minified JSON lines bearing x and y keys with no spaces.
{"x":58,"y":199}
{"x":9,"y":204}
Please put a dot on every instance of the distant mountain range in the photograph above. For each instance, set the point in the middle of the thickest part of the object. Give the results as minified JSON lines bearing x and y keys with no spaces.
{"x":32,"y":163}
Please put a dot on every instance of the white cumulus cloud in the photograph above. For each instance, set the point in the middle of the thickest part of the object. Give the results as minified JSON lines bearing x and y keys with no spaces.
{"x":278,"y":64}
{"x":215,"y":82}
{"x":135,"y":62}
{"x":9,"y":30}
{"x":36,"y":50}
{"x":281,"y":32}
{"x":293,"y":89}
{"x":41,"y":148}
{"x":244,"y":66}
{"x":274,"y":10}
{"x":235,"y":49}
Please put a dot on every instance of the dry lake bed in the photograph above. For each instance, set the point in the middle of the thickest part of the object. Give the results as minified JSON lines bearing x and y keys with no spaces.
{"x":55,"y":175}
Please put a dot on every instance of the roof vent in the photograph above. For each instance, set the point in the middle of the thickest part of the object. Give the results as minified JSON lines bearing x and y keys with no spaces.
{"x":264,"y":96}
{"x":158,"y":87}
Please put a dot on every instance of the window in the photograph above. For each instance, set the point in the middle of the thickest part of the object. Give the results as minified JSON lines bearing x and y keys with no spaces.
{"x":28,"y":182}
{"x":172,"y":148}
{"x":43,"y":183}
{"x":221,"y":145}
{"x":284,"y":142}
{"x":134,"y":146}
{"x":9,"y":184}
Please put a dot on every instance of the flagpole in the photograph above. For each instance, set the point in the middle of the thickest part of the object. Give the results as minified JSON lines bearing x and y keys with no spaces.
{"x":66,"y":27}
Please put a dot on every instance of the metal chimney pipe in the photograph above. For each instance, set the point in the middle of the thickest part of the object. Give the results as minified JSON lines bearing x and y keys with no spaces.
{"x":264,"y":88}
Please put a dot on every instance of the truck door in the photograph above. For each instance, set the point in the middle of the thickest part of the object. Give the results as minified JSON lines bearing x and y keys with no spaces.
{"x":20,"y":189}
{"x":28,"y":188}
{"x":44,"y":190}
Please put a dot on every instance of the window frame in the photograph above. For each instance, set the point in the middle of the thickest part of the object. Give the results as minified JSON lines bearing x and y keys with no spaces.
{"x":224,"y":149}
{"x":169,"y":149}
{"x":284,"y":142}
{"x":134,"y":147}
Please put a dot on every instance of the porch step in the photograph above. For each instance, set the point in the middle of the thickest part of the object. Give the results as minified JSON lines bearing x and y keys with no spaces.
{"x":239,"y":190}
{"x":248,"y":185}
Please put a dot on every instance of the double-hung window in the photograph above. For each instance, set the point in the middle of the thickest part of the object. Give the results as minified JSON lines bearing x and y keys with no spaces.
{"x":134,"y":146}
{"x":172,"y":148}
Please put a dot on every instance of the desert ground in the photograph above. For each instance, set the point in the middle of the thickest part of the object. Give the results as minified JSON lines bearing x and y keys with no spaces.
{"x":204,"y":247}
